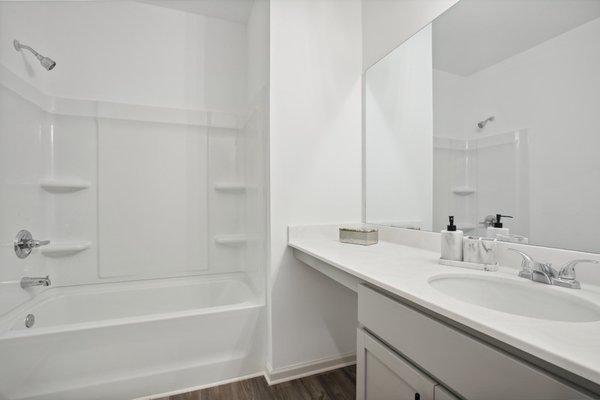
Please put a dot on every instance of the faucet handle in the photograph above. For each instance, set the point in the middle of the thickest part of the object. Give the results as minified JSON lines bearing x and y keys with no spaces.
{"x":535,"y":270}
{"x":567,"y":272}
{"x":526,"y":264}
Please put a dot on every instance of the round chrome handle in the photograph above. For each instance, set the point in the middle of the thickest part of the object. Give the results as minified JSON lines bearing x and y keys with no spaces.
{"x":24,"y":243}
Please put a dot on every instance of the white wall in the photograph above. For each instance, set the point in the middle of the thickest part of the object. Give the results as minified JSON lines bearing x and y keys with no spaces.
{"x":399,"y":136}
{"x":315,"y":170}
{"x":551,"y":91}
{"x":388,"y":23}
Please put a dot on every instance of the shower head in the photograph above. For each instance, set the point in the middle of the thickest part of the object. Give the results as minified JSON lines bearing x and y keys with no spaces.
{"x":46,"y":62}
{"x":482,"y":124}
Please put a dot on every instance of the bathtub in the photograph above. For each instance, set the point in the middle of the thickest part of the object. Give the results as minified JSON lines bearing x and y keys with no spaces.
{"x":131,"y":339}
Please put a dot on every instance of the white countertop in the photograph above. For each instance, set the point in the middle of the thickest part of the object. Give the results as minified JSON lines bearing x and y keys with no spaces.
{"x":405,"y":272}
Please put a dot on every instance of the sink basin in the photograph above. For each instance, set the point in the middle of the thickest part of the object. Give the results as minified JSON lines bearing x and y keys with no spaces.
{"x":525,"y":298}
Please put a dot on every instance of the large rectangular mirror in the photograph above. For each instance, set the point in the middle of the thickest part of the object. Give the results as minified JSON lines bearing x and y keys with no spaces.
{"x":494,"y":108}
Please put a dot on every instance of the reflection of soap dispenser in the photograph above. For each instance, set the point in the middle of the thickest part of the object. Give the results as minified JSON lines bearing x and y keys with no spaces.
{"x":497,"y":227}
{"x":451,"y":241}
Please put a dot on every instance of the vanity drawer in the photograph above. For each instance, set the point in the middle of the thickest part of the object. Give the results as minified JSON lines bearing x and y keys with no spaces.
{"x":471,"y":368}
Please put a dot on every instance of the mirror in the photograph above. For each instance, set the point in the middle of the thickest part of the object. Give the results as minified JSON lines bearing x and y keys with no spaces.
{"x":494,"y":108}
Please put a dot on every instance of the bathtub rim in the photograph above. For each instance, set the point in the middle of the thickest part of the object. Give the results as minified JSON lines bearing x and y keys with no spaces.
{"x":8,"y":321}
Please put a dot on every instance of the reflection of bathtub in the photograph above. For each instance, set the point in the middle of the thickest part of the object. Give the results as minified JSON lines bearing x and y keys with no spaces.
{"x":126,"y":340}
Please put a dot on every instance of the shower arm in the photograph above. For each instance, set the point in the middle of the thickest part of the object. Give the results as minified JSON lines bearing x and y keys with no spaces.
{"x":20,"y":46}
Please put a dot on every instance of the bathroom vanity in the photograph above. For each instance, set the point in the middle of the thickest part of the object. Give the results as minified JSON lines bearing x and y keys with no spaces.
{"x":393,"y":333}
{"x":481,"y":119}
{"x":428,"y":331}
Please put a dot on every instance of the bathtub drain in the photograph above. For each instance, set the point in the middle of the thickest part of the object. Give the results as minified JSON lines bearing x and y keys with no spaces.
{"x":29,"y":320}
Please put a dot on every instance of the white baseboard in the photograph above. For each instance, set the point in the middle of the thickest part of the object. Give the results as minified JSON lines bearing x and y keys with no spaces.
{"x":301,"y":370}
{"x":272,"y":376}
{"x":200,"y":387}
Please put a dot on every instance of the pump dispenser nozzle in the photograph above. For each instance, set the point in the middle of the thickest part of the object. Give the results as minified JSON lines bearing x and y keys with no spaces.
{"x":451,"y":227}
{"x":497,"y":223}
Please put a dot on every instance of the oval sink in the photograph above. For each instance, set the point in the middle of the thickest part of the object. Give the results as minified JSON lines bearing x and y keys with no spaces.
{"x":519,"y":298}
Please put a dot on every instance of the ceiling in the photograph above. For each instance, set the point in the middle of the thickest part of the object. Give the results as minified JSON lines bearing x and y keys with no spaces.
{"x":475,"y":34}
{"x":230,"y":10}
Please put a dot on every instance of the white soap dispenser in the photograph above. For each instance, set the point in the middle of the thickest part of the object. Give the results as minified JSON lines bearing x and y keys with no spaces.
{"x":497,"y":227}
{"x":452,"y":242}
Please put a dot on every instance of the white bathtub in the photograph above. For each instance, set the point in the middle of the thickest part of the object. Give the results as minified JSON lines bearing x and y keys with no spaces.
{"x":128,"y":340}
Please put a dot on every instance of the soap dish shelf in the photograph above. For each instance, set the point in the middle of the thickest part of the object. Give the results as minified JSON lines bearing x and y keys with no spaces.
{"x":231,"y":239}
{"x":64,"y":249}
{"x":463,"y":190}
{"x":230,"y":188}
{"x":64,"y":185}
{"x":469,"y":265}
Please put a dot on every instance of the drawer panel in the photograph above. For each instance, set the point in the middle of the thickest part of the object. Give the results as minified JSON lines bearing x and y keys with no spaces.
{"x":475,"y":370}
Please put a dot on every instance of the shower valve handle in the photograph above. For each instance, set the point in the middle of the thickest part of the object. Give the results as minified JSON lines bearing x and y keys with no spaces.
{"x":24,"y":243}
{"x":38,"y":243}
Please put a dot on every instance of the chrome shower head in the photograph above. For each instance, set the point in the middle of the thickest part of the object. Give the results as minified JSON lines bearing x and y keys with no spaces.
{"x":46,"y":62}
{"x":482,"y":124}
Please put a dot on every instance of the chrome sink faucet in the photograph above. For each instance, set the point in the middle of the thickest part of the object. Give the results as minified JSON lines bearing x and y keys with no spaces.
{"x":29,"y":282}
{"x":545,"y":273}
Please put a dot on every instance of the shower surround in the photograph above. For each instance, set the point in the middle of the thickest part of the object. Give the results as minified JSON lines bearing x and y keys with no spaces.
{"x":141,"y":157}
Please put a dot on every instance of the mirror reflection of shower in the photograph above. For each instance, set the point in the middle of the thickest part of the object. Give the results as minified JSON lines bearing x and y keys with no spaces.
{"x":482,"y":124}
{"x":46,"y":62}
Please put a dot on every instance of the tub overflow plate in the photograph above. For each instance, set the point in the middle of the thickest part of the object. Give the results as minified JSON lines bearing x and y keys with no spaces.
{"x":29,"y":320}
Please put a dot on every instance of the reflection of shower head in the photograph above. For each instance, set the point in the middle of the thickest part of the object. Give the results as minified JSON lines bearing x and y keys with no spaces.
{"x":46,"y":62}
{"x":482,"y":124}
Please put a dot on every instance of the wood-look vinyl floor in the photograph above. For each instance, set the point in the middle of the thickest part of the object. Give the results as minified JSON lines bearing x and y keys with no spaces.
{"x":339,"y":384}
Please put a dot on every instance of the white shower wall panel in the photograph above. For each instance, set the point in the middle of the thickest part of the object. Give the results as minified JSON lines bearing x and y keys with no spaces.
{"x":22,"y":158}
{"x":502,"y":176}
{"x":148,"y":107}
{"x":255,"y":212}
{"x":449,"y":172}
{"x":152,"y":198}
{"x":226,"y":216}
{"x":72,"y":216}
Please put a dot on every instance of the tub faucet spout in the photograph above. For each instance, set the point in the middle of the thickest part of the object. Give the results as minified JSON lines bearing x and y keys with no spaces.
{"x":29,"y":282}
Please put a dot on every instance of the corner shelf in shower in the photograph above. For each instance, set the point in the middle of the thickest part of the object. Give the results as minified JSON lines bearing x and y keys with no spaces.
{"x":231,"y":239}
{"x":230,"y":188}
{"x":64,"y":185}
{"x":64,"y":249}
{"x":463,"y":190}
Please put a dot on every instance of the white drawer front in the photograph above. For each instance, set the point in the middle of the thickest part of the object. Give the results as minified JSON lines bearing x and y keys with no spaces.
{"x":468,"y":366}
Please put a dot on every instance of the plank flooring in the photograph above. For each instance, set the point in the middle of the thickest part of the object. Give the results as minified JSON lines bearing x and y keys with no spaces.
{"x":339,"y":384}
